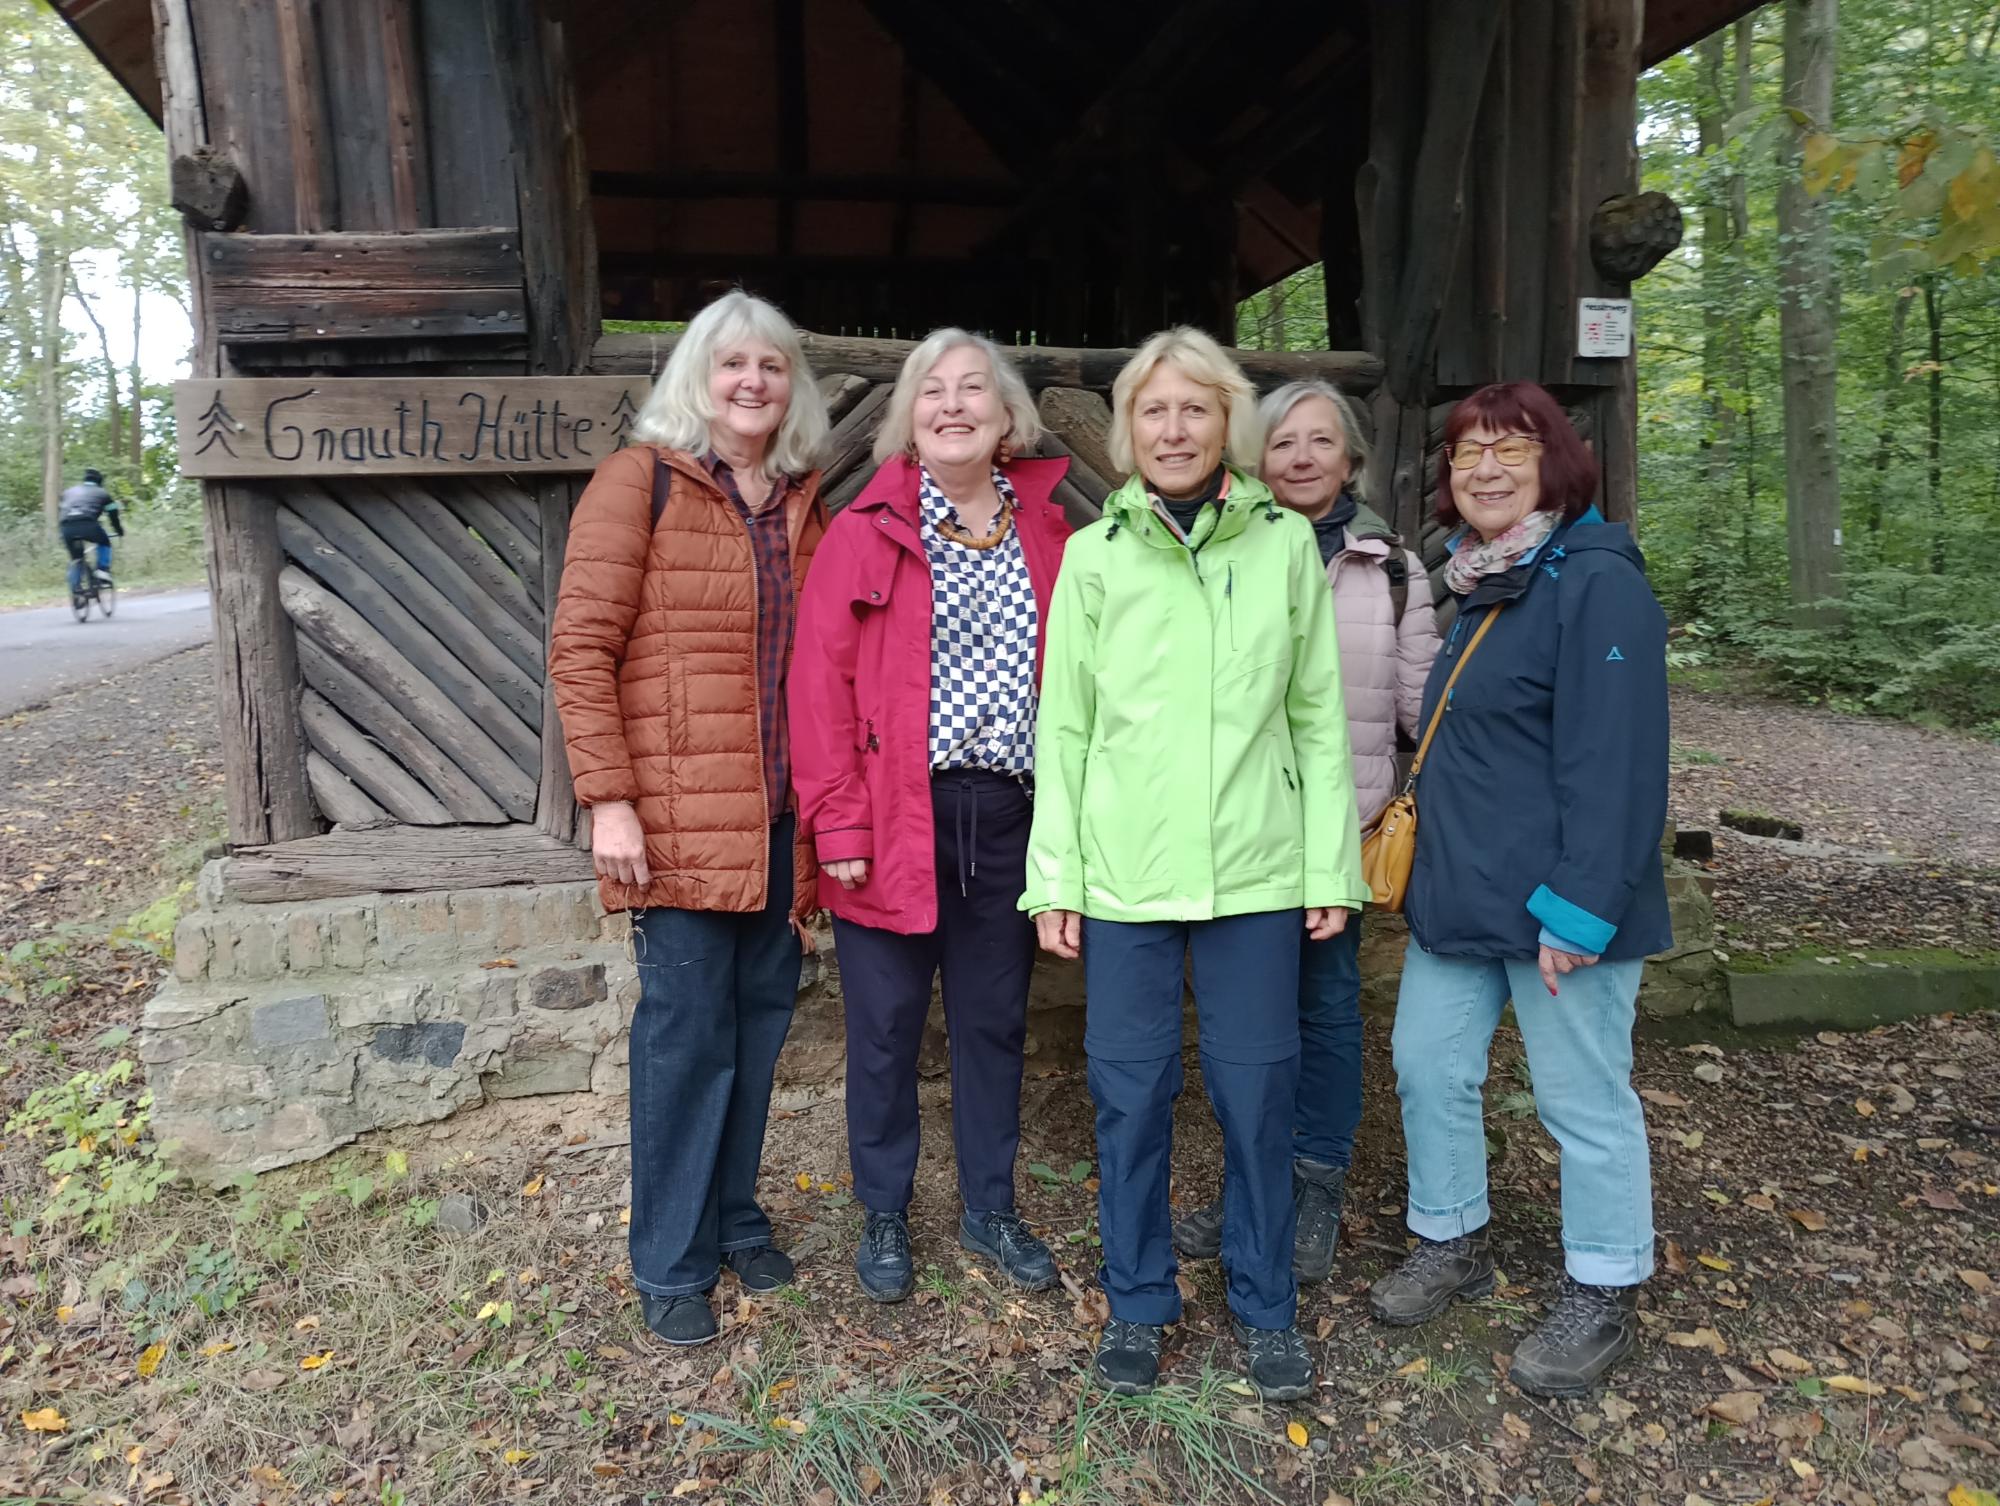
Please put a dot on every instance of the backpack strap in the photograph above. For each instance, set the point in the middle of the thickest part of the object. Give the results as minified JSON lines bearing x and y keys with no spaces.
{"x":662,"y":482}
{"x":1397,"y":567}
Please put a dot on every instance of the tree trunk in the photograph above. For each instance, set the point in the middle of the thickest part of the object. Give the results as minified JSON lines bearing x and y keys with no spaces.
{"x":1716,"y":355}
{"x":1892,"y":383}
{"x":1808,"y":303}
{"x":1934,"y":423}
{"x":52,"y":271}
{"x":137,"y":380}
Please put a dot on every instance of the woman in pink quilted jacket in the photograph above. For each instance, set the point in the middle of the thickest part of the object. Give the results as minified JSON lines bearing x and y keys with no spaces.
{"x":1313,"y":456}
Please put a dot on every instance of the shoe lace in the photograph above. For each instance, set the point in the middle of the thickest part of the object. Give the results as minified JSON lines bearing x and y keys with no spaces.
{"x":1119,"y":1334}
{"x":1320,"y":1199}
{"x":1011,"y":1232}
{"x":888,"y":1237}
{"x":1430,"y":1257}
{"x":1579,"y":1310}
{"x":1274,"y":1344}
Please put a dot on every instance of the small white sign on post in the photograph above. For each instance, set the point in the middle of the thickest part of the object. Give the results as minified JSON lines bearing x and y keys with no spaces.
{"x":1604,"y":327}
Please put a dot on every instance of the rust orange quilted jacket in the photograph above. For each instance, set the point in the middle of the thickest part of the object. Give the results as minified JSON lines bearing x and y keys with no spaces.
{"x":653,"y":657}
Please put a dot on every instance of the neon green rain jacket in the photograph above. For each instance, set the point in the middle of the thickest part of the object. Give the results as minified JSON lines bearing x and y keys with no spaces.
{"x":1191,"y":756}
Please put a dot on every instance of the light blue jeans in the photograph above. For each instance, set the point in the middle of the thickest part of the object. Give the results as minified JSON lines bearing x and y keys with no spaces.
{"x":1580,"y":1055}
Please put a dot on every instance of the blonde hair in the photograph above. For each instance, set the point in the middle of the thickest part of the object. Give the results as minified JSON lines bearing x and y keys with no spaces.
{"x":679,"y":411}
{"x":1277,"y":407}
{"x":1199,"y":359}
{"x":897,"y":431}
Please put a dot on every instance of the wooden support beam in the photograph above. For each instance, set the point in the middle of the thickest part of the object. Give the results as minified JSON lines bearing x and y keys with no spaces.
{"x":409,"y":162}
{"x":291,"y":316}
{"x":1081,"y":420}
{"x":314,"y":187}
{"x":396,"y":859}
{"x":339,"y":798}
{"x":419,"y":261}
{"x":379,"y":776}
{"x":1040,"y":365}
{"x":555,"y":798}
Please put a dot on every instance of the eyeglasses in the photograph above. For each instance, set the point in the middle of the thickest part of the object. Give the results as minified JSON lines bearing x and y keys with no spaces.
{"x":1508,"y":449}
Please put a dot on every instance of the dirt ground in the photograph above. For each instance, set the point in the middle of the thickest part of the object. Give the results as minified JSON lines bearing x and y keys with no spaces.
{"x":1821,"y":1328}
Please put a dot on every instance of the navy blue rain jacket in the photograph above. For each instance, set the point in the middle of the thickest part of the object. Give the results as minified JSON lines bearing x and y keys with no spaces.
{"x":1543,"y":798}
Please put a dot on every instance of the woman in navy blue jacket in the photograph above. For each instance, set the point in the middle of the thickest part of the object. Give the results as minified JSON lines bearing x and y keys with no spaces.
{"x":1540,"y":811}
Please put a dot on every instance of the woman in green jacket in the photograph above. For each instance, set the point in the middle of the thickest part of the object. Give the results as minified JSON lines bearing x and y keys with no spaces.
{"x":1193,"y":796}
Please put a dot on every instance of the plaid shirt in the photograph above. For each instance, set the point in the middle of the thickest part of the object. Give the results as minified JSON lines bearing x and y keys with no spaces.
{"x":777,"y":611}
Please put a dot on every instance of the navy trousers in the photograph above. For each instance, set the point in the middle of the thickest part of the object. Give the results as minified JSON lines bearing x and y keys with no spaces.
{"x":984,"y":947}
{"x":716,"y":991}
{"x":1329,"y":1102}
{"x":1246,"y":988}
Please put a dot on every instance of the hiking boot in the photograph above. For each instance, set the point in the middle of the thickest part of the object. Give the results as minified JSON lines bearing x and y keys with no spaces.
{"x":1588,"y":1331}
{"x":1436,"y":1271}
{"x":1319,"y":1191}
{"x":1128,"y":1357}
{"x":883,"y":1261}
{"x":685,"y":1320}
{"x":1199,"y":1235}
{"x":762,"y":1268}
{"x":1280,"y":1369}
{"x":1006,"y":1240}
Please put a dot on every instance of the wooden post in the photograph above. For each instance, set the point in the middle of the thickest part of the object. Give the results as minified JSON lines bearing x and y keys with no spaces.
{"x":1608,"y":161}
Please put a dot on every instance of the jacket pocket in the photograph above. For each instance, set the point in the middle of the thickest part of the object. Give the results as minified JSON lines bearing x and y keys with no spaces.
{"x":677,"y":707}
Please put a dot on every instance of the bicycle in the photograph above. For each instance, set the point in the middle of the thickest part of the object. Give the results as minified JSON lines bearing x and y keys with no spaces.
{"x":87,"y":586}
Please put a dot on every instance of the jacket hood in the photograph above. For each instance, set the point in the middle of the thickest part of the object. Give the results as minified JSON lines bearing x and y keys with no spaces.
{"x":1591,"y":532}
{"x":894,"y":484}
{"x":1131,"y":507}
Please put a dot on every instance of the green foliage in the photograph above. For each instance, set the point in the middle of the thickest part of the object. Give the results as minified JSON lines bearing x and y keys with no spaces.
{"x":104,"y":1163}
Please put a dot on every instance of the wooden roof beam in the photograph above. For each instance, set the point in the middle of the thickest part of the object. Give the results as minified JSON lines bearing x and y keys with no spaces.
{"x":987,"y":81}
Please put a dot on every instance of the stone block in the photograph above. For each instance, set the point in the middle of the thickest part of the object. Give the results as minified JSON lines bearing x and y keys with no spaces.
{"x":485,"y":995}
{"x":221,"y":949}
{"x":1857,"y":995}
{"x":178,"y":1005}
{"x":435,"y":1044}
{"x":566,"y":986}
{"x":203,"y":1083}
{"x":413,"y":929}
{"x":260,"y":944}
{"x":390,"y":1002}
{"x":289,"y":1022}
{"x":350,"y":933}
{"x":305,"y":941}
{"x":555,"y":918}
{"x":298,"y":1130}
{"x":191,"y":948}
{"x":534,"y":1067}
{"x":208,"y":886}
{"x":615,"y":929}
{"x":610,"y":1073}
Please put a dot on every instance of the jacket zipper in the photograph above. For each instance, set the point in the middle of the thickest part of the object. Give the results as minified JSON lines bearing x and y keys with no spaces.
{"x":1229,"y":603}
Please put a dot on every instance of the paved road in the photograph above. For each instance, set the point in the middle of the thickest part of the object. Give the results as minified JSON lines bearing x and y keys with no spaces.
{"x":44,"y":651}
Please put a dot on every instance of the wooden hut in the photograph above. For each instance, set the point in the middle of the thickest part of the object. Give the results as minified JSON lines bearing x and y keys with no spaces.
{"x":407,"y":220}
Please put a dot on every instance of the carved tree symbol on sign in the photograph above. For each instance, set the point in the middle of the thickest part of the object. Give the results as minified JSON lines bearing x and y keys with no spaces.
{"x":624,"y":415}
{"x":217,"y":425}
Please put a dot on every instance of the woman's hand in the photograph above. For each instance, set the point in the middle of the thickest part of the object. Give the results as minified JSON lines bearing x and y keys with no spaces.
{"x":849,"y":873}
{"x":618,"y":843}
{"x":1324,"y":925}
{"x":1553,"y":962}
{"x":802,"y":928}
{"x":1060,"y":932}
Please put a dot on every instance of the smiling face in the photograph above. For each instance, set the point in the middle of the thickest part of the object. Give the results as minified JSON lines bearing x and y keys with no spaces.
{"x":1305,"y":457}
{"x":959,"y":418}
{"x":750,"y":388}
{"x":1178,"y":425}
{"x":1492,"y":497}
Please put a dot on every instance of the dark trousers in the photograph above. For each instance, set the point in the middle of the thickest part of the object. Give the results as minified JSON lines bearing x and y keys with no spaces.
{"x":716,"y":991}
{"x":1246,"y":989}
{"x":1329,"y":1101}
{"x":985,"y":948}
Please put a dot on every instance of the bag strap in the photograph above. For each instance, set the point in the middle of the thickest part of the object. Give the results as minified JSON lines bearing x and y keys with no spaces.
{"x":1397,"y":568}
{"x":662,"y":480}
{"x":1444,"y":701}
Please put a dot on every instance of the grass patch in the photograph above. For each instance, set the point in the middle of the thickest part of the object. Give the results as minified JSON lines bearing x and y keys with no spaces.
{"x":1201,"y":1440}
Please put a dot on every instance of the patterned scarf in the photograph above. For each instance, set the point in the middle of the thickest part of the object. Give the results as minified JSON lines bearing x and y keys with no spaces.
{"x":1475,"y":558}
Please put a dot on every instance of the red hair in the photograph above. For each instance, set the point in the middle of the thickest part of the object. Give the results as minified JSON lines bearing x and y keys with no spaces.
{"x":1569,"y":470}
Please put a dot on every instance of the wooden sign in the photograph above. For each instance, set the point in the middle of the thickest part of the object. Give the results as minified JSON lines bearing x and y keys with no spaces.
{"x":385,"y":426}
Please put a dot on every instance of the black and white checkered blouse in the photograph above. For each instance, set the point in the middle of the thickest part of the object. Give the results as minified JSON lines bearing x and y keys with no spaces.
{"x":983,"y":627}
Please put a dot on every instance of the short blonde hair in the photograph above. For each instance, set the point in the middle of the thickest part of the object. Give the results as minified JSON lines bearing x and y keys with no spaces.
{"x":1277,"y":407}
{"x":1201,"y":360}
{"x":679,"y":411}
{"x":897,"y":432}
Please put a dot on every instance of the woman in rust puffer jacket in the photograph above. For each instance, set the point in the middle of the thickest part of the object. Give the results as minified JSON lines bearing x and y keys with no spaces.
{"x":671,"y":643}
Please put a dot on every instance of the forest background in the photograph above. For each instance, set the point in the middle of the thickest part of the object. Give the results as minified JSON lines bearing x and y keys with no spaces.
{"x":1835,"y":160}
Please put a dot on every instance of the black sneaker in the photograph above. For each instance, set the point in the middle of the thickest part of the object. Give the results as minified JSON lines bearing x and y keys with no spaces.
{"x":686,"y":1320}
{"x":1199,"y":1235}
{"x":1435,"y":1272}
{"x":1318,"y":1190}
{"x":1006,"y":1240}
{"x":1128,"y":1357}
{"x":883,"y":1261}
{"x":1280,"y":1368}
{"x":762,"y":1268}
{"x":1588,"y":1331}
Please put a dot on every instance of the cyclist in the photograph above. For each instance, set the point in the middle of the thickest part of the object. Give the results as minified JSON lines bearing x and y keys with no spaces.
{"x":81,"y":516}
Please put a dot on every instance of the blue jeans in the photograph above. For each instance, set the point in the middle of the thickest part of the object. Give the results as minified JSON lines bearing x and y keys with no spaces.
{"x":1329,"y":1101}
{"x":1580,"y":1054}
{"x":716,"y":991}
{"x":1246,"y":992}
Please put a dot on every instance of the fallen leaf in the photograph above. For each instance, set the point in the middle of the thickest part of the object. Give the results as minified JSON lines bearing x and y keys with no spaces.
{"x":1296,"y":1431}
{"x":270,"y":1479}
{"x":1807,"y":1219}
{"x":1709,"y":1072}
{"x":779,"y":1388}
{"x":625,"y":1217}
{"x":1715,"y":1262}
{"x":1784,"y":1359}
{"x":500,"y":962}
{"x":314,"y":1361}
{"x":1979,"y":1281}
{"x":517,"y":1456}
{"x":1421,"y":1365}
{"x":1692,"y":1140}
{"x":1616,"y":1409}
{"x":45,"y":1420}
{"x":1864,"y":1108}
{"x":1739,"y":1407}
{"x":1515,"y":1426}
{"x":1675,"y":1259}
{"x":533,"y":1189}
{"x":1661,"y":1099}
{"x":803,"y":1181}
{"x":263,"y":1380}
{"x":149,"y":1359}
{"x":306,"y":1325}
{"x":1964,"y":1495}
{"x":686,"y":1488}
{"x":604,"y":1469}
{"x":1701,"y":1338}
{"x":1802,"y":1469}
{"x":1854,"y":1384}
